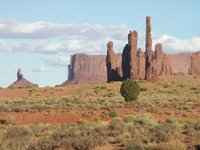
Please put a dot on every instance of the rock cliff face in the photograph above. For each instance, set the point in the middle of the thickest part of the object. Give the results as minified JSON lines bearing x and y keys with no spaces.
{"x":141,"y":64}
{"x":88,"y":68}
{"x":129,"y":57}
{"x":21,"y":82}
{"x":180,"y":62}
{"x":164,"y":67}
{"x":195,"y":64}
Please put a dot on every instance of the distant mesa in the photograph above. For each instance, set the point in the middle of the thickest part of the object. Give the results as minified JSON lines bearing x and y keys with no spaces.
{"x":22,"y":82}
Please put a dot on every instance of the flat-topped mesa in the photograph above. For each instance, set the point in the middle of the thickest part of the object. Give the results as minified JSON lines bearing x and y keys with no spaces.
{"x":132,"y":40}
{"x":149,"y":53}
{"x":113,"y":70}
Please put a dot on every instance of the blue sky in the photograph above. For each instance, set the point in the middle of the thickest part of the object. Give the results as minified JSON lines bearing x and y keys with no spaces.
{"x":40,"y":35}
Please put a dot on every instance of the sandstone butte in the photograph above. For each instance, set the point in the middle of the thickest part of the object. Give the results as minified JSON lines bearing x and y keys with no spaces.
{"x":21,"y":82}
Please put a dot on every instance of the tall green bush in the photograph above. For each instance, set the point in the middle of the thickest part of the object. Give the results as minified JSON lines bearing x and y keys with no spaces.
{"x":130,"y":90}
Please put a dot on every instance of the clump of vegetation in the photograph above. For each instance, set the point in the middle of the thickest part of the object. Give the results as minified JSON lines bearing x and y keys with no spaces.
{"x":130,"y":90}
{"x":112,"y":114}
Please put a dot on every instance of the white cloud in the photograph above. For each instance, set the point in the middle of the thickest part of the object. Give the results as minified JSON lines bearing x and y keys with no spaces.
{"x":58,"y":61}
{"x":41,"y":69}
{"x":172,"y":43}
{"x":42,"y":29}
{"x":48,"y":37}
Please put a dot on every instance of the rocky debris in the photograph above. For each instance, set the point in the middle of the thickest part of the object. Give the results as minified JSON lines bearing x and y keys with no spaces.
{"x":164,"y":67}
{"x":113,"y":71}
{"x":21,"y":82}
{"x":195,"y":64}
{"x":141,"y":64}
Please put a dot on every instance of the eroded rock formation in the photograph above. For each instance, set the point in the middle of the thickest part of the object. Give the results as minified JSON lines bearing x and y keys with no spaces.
{"x":133,"y":38}
{"x":113,"y":71}
{"x":21,"y":82}
{"x":137,"y":65}
{"x":132,"y":63}
{"x":141,"y":64}
{"x":152,"y":71}
{"x":19,"y":75}
{"x":164,"y":67}
{"x":88,"y":68}
{"x":195,"y":64}
{"x":148,"y":46}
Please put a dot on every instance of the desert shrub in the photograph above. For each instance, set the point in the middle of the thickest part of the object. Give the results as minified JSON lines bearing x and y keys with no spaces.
{"x":174,"y":145}
{"x":164,"y":132}
{"x":139,"y":146}
{"x":144,"y":89}
{"x":82,"y":122}
{"x":116,"y":127}
{"x":130,"y":90}
{"x":43,"y":144}
{"x":112,"y":114}
{"x":100,"y":89}
{"x":10,"y":120}
{"x":144,"y":120}
{"x":134,"y":146}
{"x":17,"y":132}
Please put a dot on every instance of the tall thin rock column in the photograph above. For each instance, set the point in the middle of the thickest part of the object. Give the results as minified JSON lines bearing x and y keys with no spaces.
{"x":111,"y":63}
{"x":149,"y":53}
{"x":133,"y":38}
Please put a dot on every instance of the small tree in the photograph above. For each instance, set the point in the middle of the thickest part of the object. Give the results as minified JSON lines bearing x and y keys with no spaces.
{"x":130,"y":90}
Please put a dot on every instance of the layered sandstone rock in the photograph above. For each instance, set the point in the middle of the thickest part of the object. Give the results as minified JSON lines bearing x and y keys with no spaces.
{"x":151,"y":63}
{"x":164,"y":67}
{"x":195,"y":64}
{"x":152,"y":71}
{"x":88,"y":68}
{"x":149,"y":53}
{"x":21,"y":82}
{"x":129,"y":57}
{"x":113,"y":71}
{"x":141,"y":64}
{"x":180,"y":62}
{"x":126,"y":62}
{"x":133,"y":38}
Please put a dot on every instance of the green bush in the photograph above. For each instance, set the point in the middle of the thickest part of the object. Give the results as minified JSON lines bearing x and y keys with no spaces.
{"x":130,"y":90}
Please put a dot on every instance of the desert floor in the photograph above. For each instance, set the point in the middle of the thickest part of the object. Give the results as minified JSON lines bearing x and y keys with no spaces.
{"x":166,"y":111}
